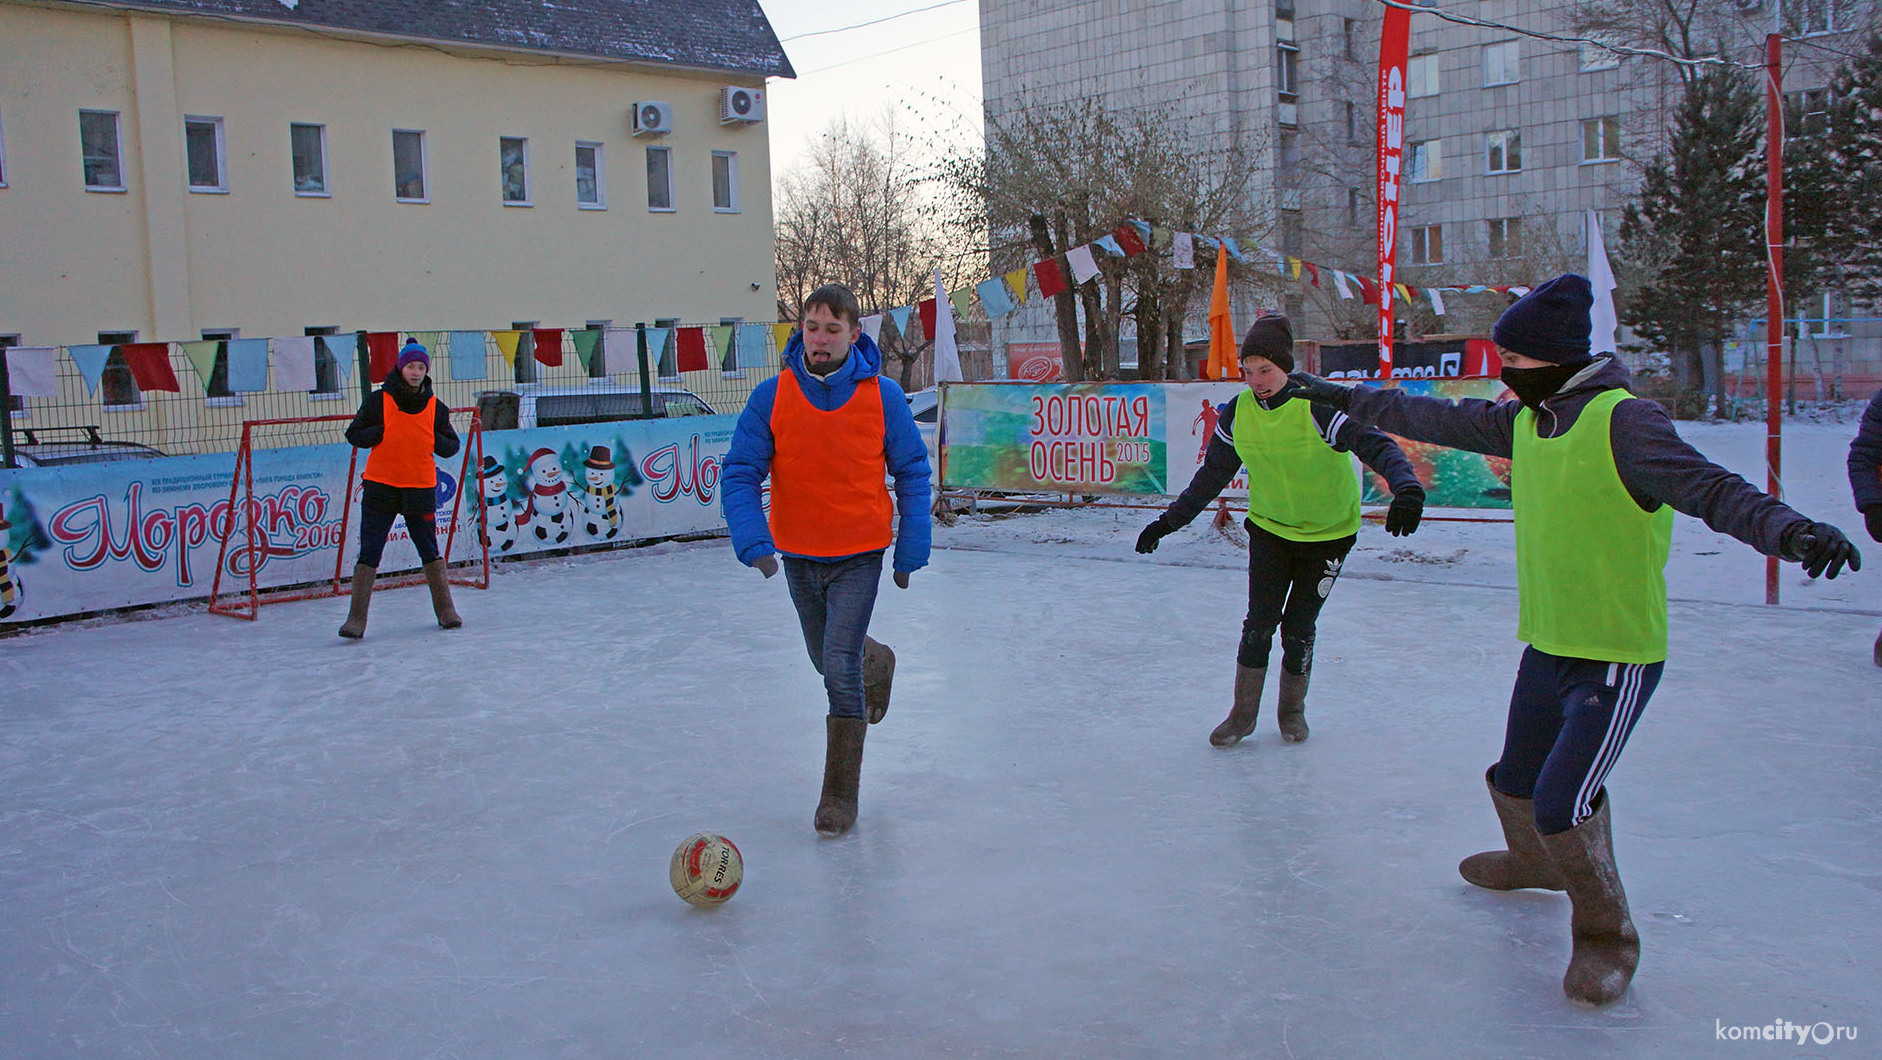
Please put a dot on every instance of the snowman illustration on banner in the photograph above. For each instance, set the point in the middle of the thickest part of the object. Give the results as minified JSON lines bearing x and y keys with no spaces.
{"x":548,"y":511}
{"x":601,"y":509}
{"x":499,"y":511}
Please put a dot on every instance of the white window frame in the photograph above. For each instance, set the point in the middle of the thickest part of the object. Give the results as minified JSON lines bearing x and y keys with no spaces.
{"x":1424,"y":161}
{"x":1507,"y":225}
{"x":666,"y":156}
{"x":1491,"y":75}
{"x":1287,"y":69}
{"x":326,"y":178}
{"x":221,"y":186}
{"x":601,"y":176}
{"x":503,"y":190}
{"x":1813,"y":18}
{"x":1607,"y":140}
{"x":1502,"y":141}
{"x":424,"y":166}
{"x":1421,"y":85}
{"x":117,"y":151}
{"x":731,"y":181}
{"x":1592,"y":58}
{"x":1421,"y":240}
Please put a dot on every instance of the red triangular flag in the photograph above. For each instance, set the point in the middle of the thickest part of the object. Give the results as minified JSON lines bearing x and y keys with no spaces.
{"x":1051,"y":280}
{"x":1313,"y":272}
{"x":1127,"y":237}
{"x":926,"y":308}
{"x":1368,"y":291}
{"x":692,"y":345}
{"x":382,"y":354}
{"x":549,"y":346}
{"x":150,"y":365}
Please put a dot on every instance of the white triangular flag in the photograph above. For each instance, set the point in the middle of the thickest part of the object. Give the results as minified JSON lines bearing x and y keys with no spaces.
{"x":1339,"y":280}
{"x":947,"y":356}
{"x":1437,"y":300}
{"x":1601,"y":278}
{"x":872,"y":326}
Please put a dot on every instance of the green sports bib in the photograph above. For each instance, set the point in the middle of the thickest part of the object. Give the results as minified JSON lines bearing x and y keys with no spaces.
{"x":1299,"y":487}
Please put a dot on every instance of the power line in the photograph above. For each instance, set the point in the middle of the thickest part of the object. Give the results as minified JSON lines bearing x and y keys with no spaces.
{"x":890,"y":51}
{"x":871,"y":22}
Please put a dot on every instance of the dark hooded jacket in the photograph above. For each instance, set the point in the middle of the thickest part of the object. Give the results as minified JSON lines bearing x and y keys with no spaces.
{"x":1865,"y":459}
{"x":369,"y":424}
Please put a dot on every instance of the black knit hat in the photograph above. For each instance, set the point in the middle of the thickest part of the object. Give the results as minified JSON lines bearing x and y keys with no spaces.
{"x":1271,"y":336}
{"x":1550,"y":323}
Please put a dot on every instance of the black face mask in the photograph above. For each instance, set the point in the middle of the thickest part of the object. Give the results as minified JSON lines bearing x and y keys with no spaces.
{"x":1533,"y":386}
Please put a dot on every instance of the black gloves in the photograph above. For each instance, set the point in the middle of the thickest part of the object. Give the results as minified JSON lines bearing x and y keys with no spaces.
{"x":1872,"y":517}
{"x":768,"y":565}
{"x":1821,"y":548}
{"x":901,"y":579}
{"x":1321,"y":392}
{"x":1408,"y":506}
{"x":1153,"y":535}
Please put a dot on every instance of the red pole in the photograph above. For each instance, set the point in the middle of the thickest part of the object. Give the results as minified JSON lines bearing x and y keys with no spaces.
{"x":1774,"y":283}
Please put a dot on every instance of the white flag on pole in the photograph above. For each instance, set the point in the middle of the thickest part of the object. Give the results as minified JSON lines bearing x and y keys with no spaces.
{"x":947,"y":356}
{"x":1601,"y":278}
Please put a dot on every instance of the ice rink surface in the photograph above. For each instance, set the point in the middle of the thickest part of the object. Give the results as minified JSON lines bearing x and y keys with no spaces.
{"x":224,"y":839}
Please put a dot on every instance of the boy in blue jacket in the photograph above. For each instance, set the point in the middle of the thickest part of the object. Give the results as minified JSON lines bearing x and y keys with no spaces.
{"x":829,"y":430}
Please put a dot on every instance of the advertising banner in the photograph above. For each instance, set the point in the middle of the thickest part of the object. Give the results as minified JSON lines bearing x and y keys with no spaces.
{"x":90,"y":537}
{"x":1035,"y":362}
{"x":1394,"y":47}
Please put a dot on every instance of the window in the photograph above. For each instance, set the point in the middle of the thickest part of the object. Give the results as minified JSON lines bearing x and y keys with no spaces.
{"x":728,"y":364}
{"x":217,"y":388}
{"x":666,"y":359}
{"x":725,"y":181}
{"x":1600,"y":139}
{"x":408,"y":165}
{"x":1427,"y":161}
{"x":590,"y":191}
{"x":1421,"y":76}
{"x":1810,"y":17}
{"x":1352,"y":122}
{"x":1503,"y":151}
{"x":327,"y":354}
{"x":202,"y":150}
{"x":1289,"y":157}
{"x":525,"y":367}
{"x":116,"y":385}
{"x":1595,"y":57}
{"x":1499,"y":63}
{"x":98,"y":139}
{"x":1287,"y":69}
{"x":1353,"y":205}
{"x":660,"y":178}
{"x":1293,"y":237}
{"x":307,"y":144}
{"x":16,"y":405}
{"x":3,"y":170}
{"x":1349,"y":38}
{"x":1808,"y":111}
{"x":513,"y":160}
{"x":1506,"y":237}
{"x":598,"y":364}
{"x":1427,"y":245}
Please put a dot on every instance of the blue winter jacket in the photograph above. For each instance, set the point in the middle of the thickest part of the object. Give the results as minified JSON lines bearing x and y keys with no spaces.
{"x":748,"y":462}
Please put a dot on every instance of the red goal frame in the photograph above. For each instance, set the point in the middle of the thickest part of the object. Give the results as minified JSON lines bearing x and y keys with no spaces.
{"x":246,"y":602}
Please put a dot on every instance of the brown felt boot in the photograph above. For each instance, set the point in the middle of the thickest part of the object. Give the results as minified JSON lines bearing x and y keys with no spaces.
{"x":1525,"y":863}
{"x":441,"y":595}
{"x":1292,"y":712}
{"x":1607,"y":948}
{"x":1241,"y":719}
{"x":842,"y":773}
{"x":878,"y":677}
{"x":1878,"y":649}
{"x":355,"y":626}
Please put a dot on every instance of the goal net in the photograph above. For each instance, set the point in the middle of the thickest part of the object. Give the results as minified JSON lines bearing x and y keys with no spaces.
{"x":292,"y":520}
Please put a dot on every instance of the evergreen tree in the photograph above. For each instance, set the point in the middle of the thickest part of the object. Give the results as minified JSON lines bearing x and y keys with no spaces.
{"x":1850,"y":152}
{"x":1695,"y":231}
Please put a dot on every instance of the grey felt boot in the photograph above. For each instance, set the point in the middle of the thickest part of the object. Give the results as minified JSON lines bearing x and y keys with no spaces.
{"x":878,"y":677}
{"x":355,"y":626}
{"x":441,"y":595}
{"x":1524,"y":863}
{"x":842,"y":774}
{"x":1241,"y":719}
{"x":1292,"y":713}
{"x":1607,"y":948}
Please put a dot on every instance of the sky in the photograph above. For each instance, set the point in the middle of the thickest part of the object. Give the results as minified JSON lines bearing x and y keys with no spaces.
{"x":923,"y":54}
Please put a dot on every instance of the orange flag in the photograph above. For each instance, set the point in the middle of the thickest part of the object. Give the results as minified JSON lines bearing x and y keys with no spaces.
{"x":1221,"y":364}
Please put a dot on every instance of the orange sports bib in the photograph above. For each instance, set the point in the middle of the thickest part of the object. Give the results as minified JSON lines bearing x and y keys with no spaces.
{"x":829,"y":495}
{"x":403,"y":457}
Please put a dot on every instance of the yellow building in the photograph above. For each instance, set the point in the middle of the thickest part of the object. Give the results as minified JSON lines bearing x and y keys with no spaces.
{"x":182,"y":169}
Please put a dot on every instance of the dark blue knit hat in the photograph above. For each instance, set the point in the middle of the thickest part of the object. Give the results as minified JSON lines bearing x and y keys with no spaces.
{"x":1550,"y":323}
{"x":412,"y":351}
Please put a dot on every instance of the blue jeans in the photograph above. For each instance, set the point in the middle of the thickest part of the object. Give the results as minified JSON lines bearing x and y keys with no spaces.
{"x":1568,"y":721}
{"x":834,"y":602}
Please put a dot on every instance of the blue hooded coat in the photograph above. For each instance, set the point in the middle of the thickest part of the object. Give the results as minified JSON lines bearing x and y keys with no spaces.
{"x":748,"y":462}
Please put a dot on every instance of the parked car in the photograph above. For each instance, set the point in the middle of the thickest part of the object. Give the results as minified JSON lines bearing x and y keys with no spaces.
{"x":926,"y":405}
{"x":563,"y":406}
{"x":34,"y":447}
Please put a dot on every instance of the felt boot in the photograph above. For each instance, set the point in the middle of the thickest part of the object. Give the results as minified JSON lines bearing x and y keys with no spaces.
{"x":1878,"y":649}
{"x":1241,"y":719}
{"x":1524,"y":863}
{"x":1607,"y":948}
{"x":1292,"y":713}
{"x":878,"y":677}
{"x":355,"y":626}
{"x":842,"y":773}
{"x":441,"y":595}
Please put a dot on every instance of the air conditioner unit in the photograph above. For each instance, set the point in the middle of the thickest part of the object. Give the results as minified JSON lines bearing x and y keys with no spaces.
{"x":741,"y":106}
{"x":652,"y":118}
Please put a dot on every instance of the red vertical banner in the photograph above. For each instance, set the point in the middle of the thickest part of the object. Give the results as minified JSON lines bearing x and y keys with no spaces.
{"x":1394,"y":47}
{"x":1773,"y":282}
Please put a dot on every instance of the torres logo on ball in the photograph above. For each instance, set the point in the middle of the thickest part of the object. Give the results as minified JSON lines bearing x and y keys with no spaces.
{"x":706,"y":869}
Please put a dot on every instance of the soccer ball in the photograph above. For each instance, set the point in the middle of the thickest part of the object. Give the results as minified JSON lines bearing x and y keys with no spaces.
{"x":706,"y":869}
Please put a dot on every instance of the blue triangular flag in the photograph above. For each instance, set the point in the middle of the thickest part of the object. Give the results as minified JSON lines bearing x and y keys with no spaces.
{"x":345,"y":350}
{"x":1234,"y":249}
{"x":248,"y":365}
{"x":91,"y":363}
{"x":900,"y":316}
{"x":1110,"y":244}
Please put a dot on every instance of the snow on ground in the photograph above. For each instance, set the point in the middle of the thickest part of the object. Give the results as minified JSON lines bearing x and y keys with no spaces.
{"x":225,"y":839}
